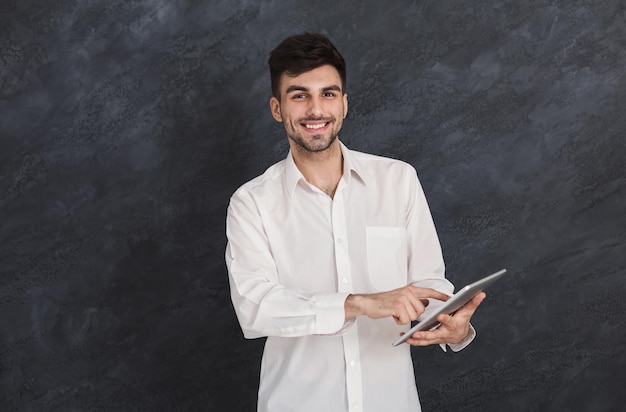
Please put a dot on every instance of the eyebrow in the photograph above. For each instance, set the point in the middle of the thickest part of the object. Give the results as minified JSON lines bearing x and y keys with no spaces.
{"x":296,"y":88}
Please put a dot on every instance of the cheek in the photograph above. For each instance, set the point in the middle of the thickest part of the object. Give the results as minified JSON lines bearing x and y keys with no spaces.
{"x":288,"y":115}
{"x":340,"y":121}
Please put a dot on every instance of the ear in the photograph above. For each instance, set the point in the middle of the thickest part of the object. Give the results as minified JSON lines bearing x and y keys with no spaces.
{"x":275,"y":108}
{"x":345,"y":105}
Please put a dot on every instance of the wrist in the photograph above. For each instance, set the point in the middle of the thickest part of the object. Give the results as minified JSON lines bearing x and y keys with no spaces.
{"x":353,"y":306}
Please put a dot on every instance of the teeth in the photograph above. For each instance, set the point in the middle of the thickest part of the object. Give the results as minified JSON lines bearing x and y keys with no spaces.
{"x":315,"y":126}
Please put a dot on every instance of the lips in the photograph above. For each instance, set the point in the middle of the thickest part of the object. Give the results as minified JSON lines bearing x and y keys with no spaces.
{"x":315,"y":126}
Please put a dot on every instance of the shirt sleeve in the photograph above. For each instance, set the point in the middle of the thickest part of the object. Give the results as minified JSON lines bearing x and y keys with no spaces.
{"x":263,"y":306}
{"x":426,"y":266}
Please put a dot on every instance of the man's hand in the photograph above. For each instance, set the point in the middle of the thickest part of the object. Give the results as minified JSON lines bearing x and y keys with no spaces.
{"x":453,"y":329}
{"x":404,"y":304}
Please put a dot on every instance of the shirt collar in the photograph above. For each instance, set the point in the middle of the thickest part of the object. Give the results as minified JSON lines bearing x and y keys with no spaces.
{"x":292,"y":174}
{"x":351,"y":164}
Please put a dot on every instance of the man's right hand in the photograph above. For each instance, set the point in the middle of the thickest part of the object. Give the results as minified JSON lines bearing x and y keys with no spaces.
{"x":404,"y":304}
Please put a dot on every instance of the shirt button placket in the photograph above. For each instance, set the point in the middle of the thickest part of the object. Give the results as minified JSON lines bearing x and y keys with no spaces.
{"x":354,"y":384}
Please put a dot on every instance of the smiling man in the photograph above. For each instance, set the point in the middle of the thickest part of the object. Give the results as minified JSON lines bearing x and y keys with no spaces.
{"x":332,"y":253}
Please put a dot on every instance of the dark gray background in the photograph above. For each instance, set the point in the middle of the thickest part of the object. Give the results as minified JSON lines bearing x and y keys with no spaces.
{"x":126,"y":125}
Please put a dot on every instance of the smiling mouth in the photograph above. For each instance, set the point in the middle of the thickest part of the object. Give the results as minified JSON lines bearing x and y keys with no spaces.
{"x":315,"y":126}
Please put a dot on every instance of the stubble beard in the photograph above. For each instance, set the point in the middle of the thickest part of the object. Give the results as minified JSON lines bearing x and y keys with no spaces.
{"x":317,"y":144}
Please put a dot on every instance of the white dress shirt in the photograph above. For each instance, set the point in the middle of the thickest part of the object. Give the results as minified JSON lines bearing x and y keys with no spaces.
{"x":294,"y":255}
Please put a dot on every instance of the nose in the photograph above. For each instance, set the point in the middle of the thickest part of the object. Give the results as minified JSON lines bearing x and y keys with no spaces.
{"x":315,"y":108}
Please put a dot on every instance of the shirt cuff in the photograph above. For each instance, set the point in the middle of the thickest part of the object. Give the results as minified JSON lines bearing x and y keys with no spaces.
{"x":330,"y":314}
{"x":466,"y":341}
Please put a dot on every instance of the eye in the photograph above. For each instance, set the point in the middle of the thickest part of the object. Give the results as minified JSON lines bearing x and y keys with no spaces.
{"x":299,"y":96}
{"x":329,"y":94}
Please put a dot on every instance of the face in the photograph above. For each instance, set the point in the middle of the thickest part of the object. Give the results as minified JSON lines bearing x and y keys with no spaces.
{"x":312,"y":107}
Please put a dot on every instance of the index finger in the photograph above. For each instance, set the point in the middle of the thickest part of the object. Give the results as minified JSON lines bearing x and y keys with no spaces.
{"x":428,"y":293}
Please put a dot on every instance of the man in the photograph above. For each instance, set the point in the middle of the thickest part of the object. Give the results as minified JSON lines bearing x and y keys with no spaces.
{"x":332,"y":253}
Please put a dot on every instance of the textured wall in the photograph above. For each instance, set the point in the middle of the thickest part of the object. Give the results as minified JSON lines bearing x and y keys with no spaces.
{"x":126,"y":125}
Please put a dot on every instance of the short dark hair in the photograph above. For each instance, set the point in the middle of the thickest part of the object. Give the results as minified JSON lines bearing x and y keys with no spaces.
{"x":303,"y":52}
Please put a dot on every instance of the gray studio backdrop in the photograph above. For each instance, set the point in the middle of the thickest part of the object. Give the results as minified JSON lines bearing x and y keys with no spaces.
{"x":126,"y":125}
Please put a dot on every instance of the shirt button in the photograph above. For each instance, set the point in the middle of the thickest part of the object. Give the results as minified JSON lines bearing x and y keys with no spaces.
{"x":355,"y":405}
{"x":344,"y":281}
{"x":339,"y":240}
{"x":352,"y":363}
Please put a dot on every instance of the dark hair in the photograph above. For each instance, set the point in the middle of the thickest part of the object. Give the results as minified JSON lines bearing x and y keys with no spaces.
{"x":301,"y":53}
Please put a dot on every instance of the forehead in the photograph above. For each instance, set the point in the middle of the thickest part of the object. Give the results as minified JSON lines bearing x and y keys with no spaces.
{"x":316,"y":79}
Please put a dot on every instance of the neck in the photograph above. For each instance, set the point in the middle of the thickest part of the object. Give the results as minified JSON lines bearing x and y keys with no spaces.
{"x":321,"y":169}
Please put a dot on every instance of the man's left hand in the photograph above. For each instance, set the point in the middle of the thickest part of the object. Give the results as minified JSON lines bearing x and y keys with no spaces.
{"x":453,"y":329}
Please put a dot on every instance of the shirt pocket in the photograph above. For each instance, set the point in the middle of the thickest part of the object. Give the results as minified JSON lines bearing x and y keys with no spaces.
{"x":387,"y":257}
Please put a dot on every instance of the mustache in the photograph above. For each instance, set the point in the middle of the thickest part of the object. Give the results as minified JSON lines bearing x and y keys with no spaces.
{"x":316,"y":119}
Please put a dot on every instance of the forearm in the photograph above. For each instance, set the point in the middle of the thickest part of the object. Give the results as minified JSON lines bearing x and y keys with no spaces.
{"x":265,"y":308}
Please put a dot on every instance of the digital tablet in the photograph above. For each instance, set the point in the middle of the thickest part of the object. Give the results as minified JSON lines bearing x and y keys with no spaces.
{"x":453,"y":304}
